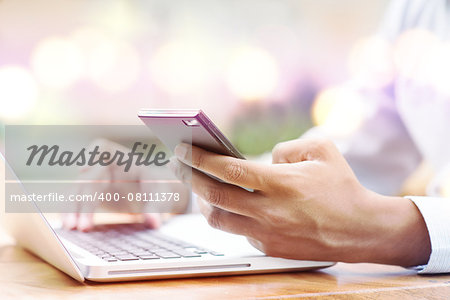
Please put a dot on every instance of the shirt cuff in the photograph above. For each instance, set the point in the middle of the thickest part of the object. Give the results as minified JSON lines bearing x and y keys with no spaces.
{"x":436,"y":213}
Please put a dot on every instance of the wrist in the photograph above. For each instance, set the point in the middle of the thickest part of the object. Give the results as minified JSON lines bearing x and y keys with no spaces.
{"x":402,"y":237}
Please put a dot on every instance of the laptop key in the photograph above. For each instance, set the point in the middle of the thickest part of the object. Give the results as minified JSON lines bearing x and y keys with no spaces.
{"x":140,"y":253}
{"x":115,"y":253}
{"x":186,"y":253}
{"x":119,"y":242}
{"x":110,"y":259}
{"x":196,"y":250}
{"x":167,"y":254}
{"x":146,"y":257}
{"x":126,"y":257}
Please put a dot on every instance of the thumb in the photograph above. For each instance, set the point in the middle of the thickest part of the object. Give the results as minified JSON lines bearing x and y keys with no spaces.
{"x":303,"y":149}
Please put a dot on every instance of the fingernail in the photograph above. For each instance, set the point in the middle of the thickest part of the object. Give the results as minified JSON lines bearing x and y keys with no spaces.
{"x":70,"y":221}
{"x":152,"y":221}
{"x":85,"y":224}
{"x":181,"y":151}
{"x":180,"y":170}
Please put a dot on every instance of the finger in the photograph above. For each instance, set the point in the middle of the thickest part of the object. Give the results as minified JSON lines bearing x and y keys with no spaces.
{"x":85,"y":222}
{"x":228,"y":221}
{"x":180,"y":170}
{"x":229,"y":169}
{"x":222,"y":195}
{"x":152,"y":220}
{"x":303,"y":149}
{"x":70,"y":221}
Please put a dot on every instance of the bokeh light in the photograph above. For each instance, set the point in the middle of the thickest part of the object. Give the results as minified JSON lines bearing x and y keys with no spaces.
{"x":181,"y":66}
{"x":445,"y":185}
{"x":338,"y":110}
{"x":18,"y":92}
{"x":120,"y":17}
{"x":253,"y":74}
{"x":439,"y":68}
{"x":323,"y":105}
{"x":371,"y":62}
{"x":114,"y":66}
{"x":57,"y":62}
{"x":221,"y":56}
{"x":422,"y":56}
{"x":412,"y":54}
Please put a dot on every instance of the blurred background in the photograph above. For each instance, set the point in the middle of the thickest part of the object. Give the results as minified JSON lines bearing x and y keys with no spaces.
{"x":264,"y":70}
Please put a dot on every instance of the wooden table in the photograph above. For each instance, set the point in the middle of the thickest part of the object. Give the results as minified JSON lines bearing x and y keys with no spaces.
{"x":23,"y":275}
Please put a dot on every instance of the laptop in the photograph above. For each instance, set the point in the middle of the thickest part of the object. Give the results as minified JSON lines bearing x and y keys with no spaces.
{"x":186,"y":246}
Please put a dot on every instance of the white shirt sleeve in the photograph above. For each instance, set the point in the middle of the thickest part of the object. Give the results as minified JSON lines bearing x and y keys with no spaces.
{"x":436,"y":213}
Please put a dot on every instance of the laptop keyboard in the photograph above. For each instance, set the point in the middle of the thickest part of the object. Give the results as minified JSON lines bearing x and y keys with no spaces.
{"x":128,"y":242}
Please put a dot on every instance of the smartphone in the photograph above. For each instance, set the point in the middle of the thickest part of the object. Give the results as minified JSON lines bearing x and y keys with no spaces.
{"x":173,"y":127}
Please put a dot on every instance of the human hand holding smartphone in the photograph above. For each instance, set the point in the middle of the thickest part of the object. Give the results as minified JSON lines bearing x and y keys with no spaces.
{"x":189,"y":126}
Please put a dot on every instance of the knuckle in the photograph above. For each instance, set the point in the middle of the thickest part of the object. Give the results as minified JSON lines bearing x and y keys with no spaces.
{"x":198,"y":161}
{"x":274,"y":216}
{"x":266,"y":242}
{"x":215,"y":196}
{"x":214,"y":218}
{"x":279,"y":151}
{"x":319,"y":148}
{"x":182,"y":174}
{"x":323,"y":144}
{"x":276,"y":219}
{"x":234,"y":171}
{"x":317,"y":143}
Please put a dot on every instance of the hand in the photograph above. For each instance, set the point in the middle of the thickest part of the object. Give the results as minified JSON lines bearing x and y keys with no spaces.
{"x":112,"y":179}
{"x":307,"y":205}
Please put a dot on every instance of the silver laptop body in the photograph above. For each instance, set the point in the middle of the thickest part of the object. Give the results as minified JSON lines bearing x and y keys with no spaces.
{"x":189,"y":248}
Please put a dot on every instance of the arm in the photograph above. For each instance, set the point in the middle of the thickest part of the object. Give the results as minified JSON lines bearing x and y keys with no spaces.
{"x":307,"y":205}
{"x":395,"y":155}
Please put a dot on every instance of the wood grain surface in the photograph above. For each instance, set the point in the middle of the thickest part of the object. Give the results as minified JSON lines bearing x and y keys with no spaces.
{"x":23,"y":275}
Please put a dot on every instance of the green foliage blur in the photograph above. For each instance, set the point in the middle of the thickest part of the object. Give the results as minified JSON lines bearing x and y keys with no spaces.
{"x":258,"y":127}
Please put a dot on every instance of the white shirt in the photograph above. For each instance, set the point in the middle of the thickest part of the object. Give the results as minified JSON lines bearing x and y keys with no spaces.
{"x":407,"y":118}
